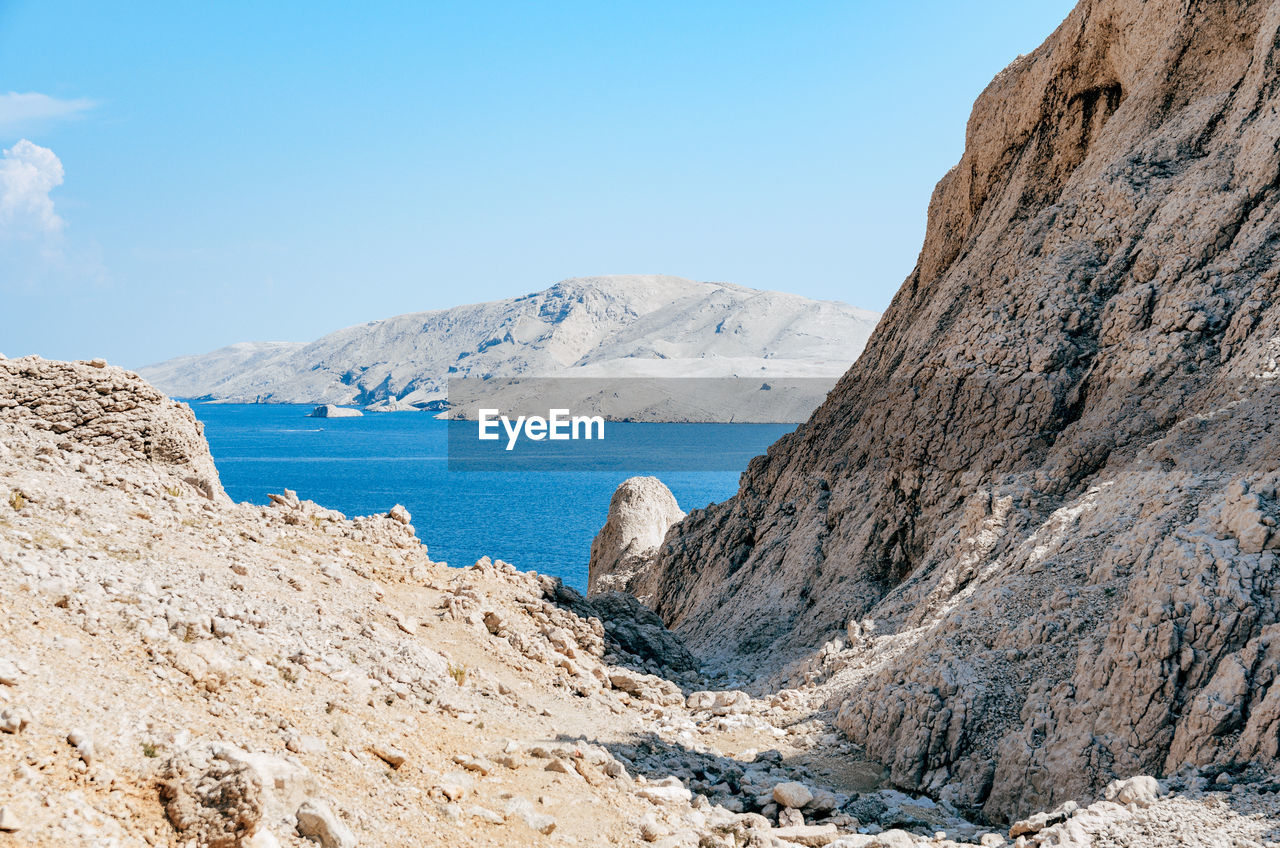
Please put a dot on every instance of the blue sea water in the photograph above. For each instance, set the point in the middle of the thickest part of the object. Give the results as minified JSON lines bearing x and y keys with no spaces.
{"x":537,"y":520}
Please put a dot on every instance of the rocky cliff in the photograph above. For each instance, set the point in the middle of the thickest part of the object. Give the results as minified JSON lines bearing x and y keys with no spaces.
{"x":1030,"y":541}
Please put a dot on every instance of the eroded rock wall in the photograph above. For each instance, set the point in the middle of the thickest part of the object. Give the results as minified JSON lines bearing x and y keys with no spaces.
{"x":1030,"y":538}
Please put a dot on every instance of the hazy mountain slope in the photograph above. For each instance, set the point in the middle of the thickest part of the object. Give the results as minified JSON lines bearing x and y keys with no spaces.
{"x":677,"y":327}
{"x":1034,"y":528}
{"x":190,"y":376}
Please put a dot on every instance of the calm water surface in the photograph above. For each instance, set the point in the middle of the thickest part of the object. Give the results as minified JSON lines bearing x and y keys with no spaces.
{"x":543,"y":521}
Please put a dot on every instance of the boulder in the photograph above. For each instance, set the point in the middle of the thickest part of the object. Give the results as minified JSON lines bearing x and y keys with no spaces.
{"x":1142,"y":791}
{"x":792,"y":794}
{"x":812,"y":834}
{"x":111,"y":415}
{"x":667,"y":791}
{"x":640,"y":513}
{"x":220,"y":795}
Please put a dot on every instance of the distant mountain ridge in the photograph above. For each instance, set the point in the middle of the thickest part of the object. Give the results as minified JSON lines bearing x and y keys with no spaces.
{"x":634,"y":326}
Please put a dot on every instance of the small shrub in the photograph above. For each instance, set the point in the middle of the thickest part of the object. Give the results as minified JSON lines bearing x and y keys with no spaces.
{"x":149,"y":750}
{"x":17,"y":500}
{"x":174,"y":491}
{"x":458,"y":672}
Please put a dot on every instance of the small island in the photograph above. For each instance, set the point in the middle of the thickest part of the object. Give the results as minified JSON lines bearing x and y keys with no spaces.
{"x":330,"y":410}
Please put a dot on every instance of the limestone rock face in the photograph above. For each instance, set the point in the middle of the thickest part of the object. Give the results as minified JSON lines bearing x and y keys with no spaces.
{"x":640,"y":513}
{"x":107,"y":413}
{"x":1031,"y":538}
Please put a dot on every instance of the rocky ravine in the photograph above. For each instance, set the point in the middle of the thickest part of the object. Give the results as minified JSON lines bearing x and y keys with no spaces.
{"x":176,"y":669}
{"x":1030,"y":542}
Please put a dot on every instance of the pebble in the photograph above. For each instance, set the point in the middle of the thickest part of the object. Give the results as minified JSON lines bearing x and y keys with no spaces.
{"x":318,"y":823}
{"x":14,"y":719}
{"x":390,"y":755}
{"x":9,"y":821}
{"x":650,"y":830}
{"x":80,"y":740}
{"x":560,"y":766}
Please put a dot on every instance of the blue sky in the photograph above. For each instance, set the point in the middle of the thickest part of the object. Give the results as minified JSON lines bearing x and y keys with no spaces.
{"x":179,"y":178}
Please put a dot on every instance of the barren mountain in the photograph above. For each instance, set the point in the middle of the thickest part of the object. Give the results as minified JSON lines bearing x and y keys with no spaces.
{"x":1030,"y":542}
{"x":623,"y":326}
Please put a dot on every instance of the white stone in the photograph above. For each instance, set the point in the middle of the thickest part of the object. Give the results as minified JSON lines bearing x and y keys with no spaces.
{"x":792,"y":794}
{"x":1141,"y":790}
{"x":9,"y":821}
{"x":318,"y":823}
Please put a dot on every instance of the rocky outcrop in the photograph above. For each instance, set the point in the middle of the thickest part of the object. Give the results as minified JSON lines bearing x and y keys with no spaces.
{"x":1029,"y":541}
{"x":106,"y":413}
{"x":641,"y":511}
{"x":390,"y":405}
{"x":636,"y":630}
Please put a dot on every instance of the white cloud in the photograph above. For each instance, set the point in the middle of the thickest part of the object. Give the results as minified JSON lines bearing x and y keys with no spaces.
{"x":28,"y":172}
{"x":30,"y":109}
{"x":36,"y":254}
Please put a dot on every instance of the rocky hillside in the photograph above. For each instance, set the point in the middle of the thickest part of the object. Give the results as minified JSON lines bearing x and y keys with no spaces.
{"x":176,"y":669}
{"x":179,"y":670}
{"x":1030,"y":542}
{"x":624,"y":326}
{"x":193,"y":376}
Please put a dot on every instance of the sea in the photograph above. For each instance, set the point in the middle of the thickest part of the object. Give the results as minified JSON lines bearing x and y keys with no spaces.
{"x":541,"y":520}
